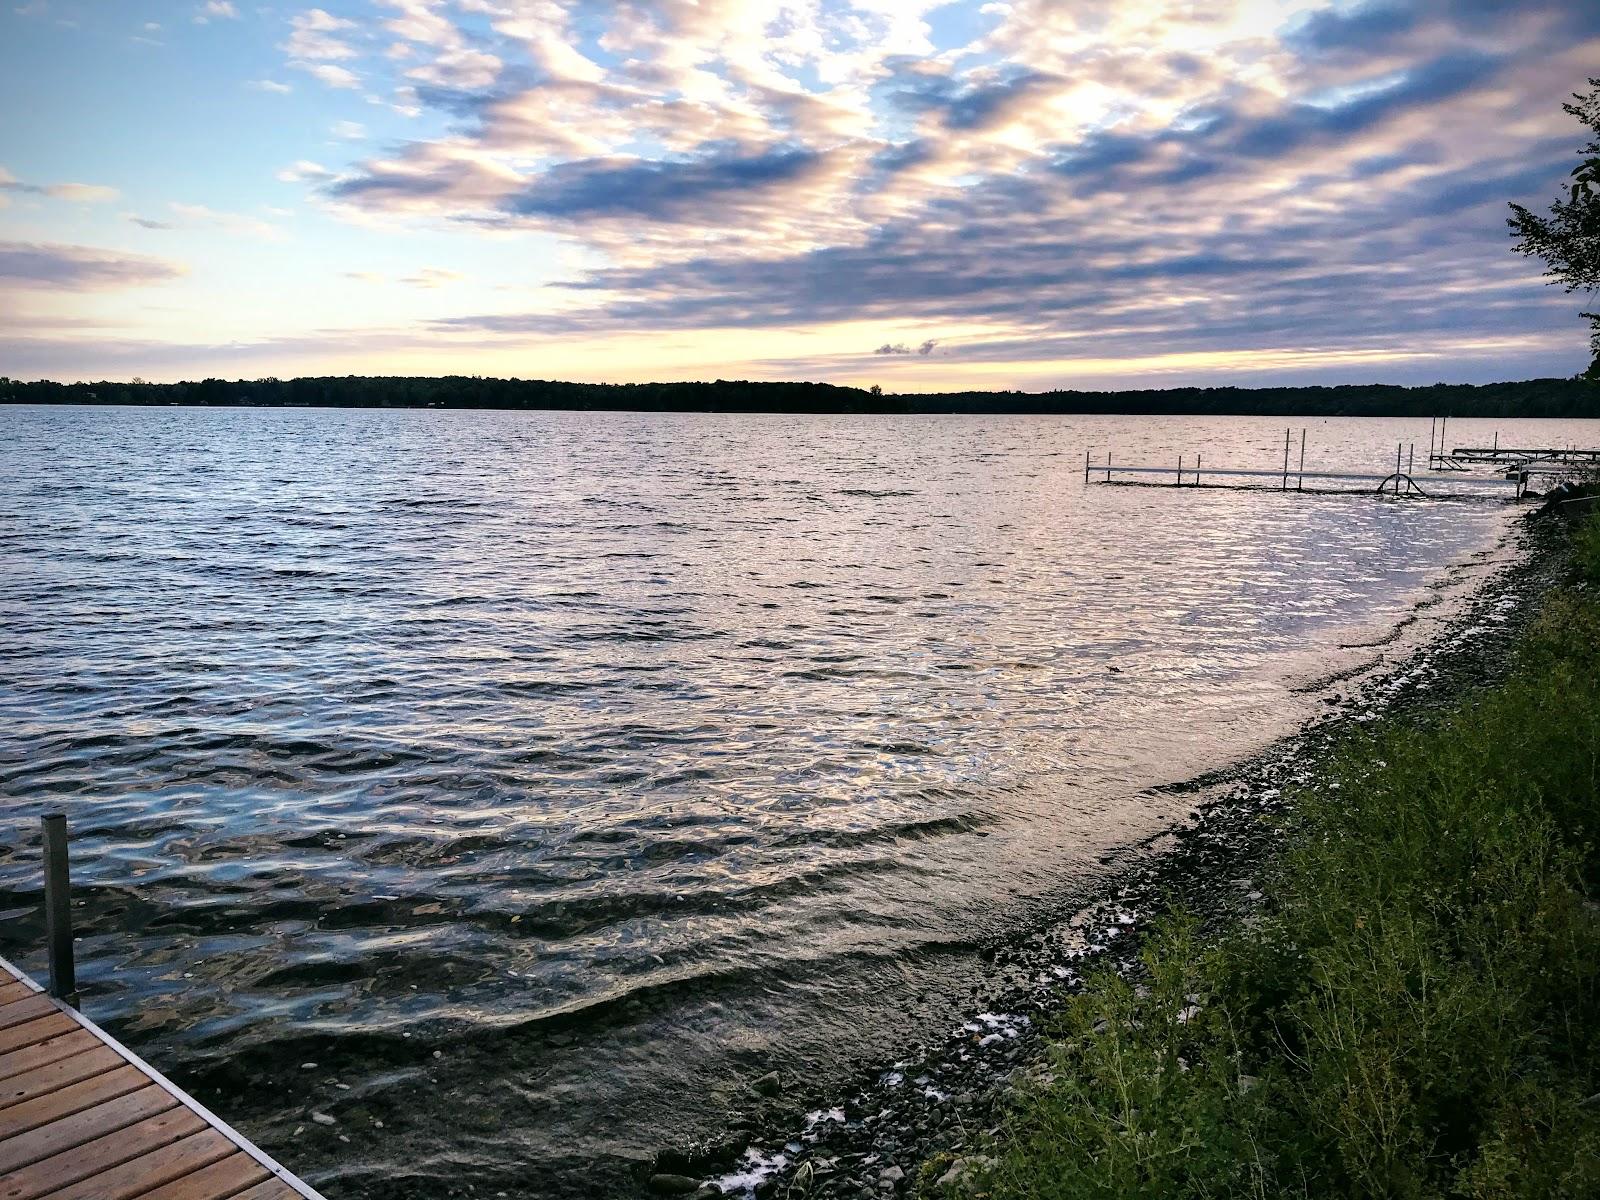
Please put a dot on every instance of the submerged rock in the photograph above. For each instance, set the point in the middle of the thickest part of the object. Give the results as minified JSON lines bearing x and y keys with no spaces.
{"x":673,"y":1185}
{"x":769,"y":1085}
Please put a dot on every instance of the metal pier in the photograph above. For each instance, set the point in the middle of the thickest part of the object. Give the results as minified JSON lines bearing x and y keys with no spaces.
{"x":1400,"y":481}
{"x":1191,"y":477}
{"x":1547,"y":460}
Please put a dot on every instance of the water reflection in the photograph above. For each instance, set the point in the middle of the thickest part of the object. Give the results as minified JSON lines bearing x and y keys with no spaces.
{"x":538,"y":776}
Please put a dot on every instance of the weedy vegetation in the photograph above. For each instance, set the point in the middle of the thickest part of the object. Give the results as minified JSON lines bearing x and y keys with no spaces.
{"x":1416,"y":1011}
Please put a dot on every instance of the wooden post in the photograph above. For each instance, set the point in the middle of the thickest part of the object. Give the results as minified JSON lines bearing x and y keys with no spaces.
{"x":1086,"y":466}
{"x":1397,"y":468}
{"x":58,"y":909}
{"x":1300,"y":481}
{"x":1180,"y":470}
{"x":1286,"y":460}
{"x":1197,"y":470}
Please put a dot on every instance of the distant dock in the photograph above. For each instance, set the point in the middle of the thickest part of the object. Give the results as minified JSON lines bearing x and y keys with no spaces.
{"x":1546,"y":460}
{"x":1514,"y":466}
{"x":84,"y":1118}
{"x":1515,"y":458}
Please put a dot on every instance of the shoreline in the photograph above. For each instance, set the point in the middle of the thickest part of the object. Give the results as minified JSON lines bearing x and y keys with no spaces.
{"x":922,"y":1114}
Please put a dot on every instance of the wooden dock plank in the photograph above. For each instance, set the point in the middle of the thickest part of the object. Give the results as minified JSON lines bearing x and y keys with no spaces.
{"x":100,"y":1155}
{"x":80,"y":1127}
{"x":26,"y":1033}
{"x":28,"y":1008}
{"x":41,"y":1081}
{"x":220,"y":1181}
{"x":24,"y":1118}
{"x":84,"y":1118}
{"x":42,"y":1054}
{"x":273,"y":1189}
{"x":150,"y":1171}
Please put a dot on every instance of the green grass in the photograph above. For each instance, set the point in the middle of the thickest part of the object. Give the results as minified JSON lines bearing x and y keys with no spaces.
{"x":1417,"y":1014}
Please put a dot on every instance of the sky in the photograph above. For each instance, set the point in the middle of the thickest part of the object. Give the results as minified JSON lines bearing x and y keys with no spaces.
{"x":921,"y":194}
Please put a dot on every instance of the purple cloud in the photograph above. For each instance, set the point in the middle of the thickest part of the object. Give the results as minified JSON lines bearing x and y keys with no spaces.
{"x":79,"y":268}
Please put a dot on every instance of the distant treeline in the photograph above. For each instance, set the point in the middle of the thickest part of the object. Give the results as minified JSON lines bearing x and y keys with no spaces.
{"x":1533,"y":398}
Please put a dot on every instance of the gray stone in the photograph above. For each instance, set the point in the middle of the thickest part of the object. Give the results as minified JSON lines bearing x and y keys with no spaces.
{"x":769,"y":1084}
{"x":962,"y":1169}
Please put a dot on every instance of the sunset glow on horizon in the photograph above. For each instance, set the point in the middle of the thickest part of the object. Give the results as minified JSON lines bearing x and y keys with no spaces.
{"x":921,"y":194}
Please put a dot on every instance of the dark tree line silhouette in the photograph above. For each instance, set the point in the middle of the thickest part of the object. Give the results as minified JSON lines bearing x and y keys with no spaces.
{"x":1532,"y":398}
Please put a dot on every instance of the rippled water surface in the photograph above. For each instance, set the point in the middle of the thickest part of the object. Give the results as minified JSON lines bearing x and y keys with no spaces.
{"x":539,"y":777}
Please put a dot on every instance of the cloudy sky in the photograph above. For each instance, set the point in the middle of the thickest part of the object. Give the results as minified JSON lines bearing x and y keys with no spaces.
{"x":923,"y":194}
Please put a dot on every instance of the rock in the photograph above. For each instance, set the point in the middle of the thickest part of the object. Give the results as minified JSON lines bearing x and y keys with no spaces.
{"x":323,"y":1119}
{"x":893,"y":1176}
{"x":769,"y":1085}
{"x":673,"y":1185}
{"x":962,"y":1169}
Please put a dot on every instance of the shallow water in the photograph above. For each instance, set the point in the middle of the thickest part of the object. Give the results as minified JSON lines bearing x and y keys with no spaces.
{"x":541,"y":777}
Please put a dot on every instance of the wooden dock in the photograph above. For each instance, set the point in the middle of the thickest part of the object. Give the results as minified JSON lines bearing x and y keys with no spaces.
{"x":83,"y":1118}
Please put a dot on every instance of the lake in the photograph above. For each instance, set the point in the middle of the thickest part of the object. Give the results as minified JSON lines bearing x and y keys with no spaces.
{"x":530,"y":782}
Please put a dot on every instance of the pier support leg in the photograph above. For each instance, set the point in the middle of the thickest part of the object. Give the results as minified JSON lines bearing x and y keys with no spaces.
{"x":58,"y":910}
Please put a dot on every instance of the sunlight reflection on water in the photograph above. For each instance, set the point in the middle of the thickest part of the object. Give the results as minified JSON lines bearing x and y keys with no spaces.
{"x":609,"y":755}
